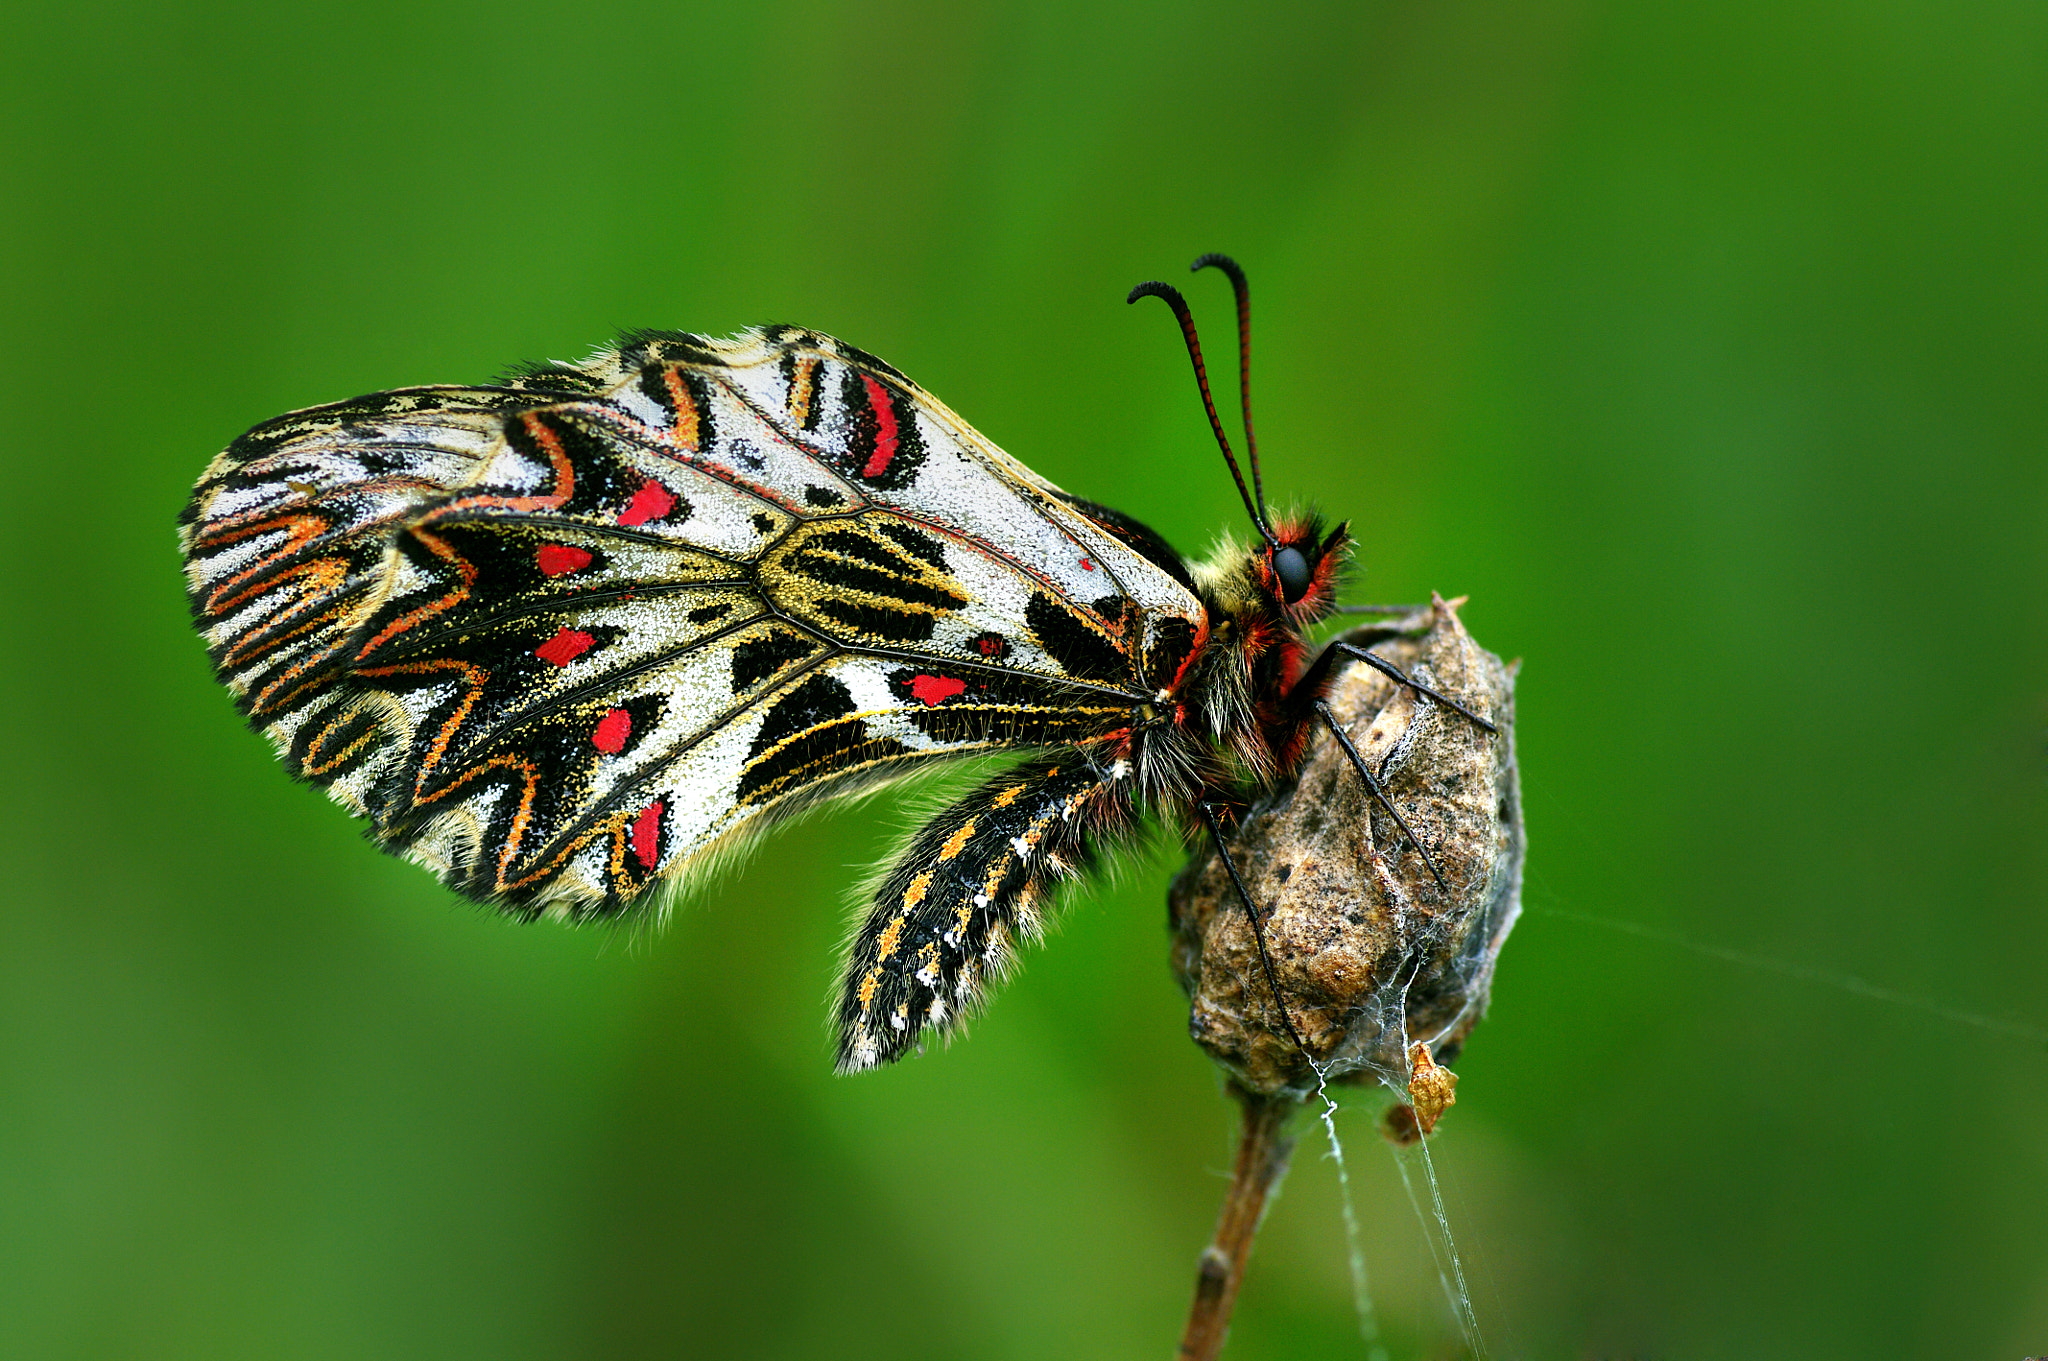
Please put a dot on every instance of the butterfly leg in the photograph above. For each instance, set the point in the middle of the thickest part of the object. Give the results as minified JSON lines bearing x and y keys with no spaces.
{"x":1378,"y":790}
{"x":979,"y":873}
{"x":1311,"y":708}
{"x":1207,"y":812}
{"x":1396,"y":610}
{"x":1387,"y":668}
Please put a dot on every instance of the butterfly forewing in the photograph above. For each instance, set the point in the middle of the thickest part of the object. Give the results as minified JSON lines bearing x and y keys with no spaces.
{"x":560,"y":638}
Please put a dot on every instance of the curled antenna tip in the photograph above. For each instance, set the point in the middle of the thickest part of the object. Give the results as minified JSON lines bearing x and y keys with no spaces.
{"x":1167,"y":293}
{"x":1217,"y":260}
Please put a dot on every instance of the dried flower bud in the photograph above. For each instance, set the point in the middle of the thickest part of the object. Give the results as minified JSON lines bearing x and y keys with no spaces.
{"x":1370,"y":952}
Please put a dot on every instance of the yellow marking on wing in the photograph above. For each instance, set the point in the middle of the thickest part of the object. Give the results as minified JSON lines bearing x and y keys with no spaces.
{"x":1008,"y":796}
{"x":892,"y":935}
{"x":867,"y":989}
{"x":958,"y":841}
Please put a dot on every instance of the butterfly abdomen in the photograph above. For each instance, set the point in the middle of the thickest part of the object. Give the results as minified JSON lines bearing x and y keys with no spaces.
{"x":974,"y":879}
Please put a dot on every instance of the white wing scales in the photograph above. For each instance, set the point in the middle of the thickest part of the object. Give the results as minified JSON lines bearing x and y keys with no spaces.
{"x":564,"y":638}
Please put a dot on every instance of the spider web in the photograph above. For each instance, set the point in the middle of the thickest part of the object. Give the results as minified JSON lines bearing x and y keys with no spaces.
{"x":1425,"y":1193}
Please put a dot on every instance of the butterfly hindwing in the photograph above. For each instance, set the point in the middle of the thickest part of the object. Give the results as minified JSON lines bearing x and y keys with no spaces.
{"x":561,"y":638}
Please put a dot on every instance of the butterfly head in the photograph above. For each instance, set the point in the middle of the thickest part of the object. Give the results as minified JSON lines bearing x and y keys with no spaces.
{"x":1294,"y":567}
{"x":1297,"y":569}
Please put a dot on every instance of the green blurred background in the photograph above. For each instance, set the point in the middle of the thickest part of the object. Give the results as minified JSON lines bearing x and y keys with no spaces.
{"x":1701,"y":344}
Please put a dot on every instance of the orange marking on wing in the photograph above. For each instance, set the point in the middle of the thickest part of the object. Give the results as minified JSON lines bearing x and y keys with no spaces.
{"x":558,"y":459}
{"x":322,"y":575}
{"x":958,"y":841}
{"x":685,"y":431}
{"x":441,"y":549}
{"x":317,"y":763}
{"x":1008,"y":796}
{"x":801,"y":389}
{"x":300,"y":529}
{"x":474,"y":678}
{"x":867,"y":989}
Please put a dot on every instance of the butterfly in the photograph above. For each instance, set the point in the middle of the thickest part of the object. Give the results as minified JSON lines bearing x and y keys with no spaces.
{"x":574,"y":638}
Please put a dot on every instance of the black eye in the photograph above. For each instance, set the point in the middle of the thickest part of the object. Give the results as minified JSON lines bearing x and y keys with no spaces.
{"x":1293,"y":570}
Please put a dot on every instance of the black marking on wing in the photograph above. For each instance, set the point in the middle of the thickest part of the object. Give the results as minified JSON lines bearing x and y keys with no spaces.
{"x":811,"y":731}
{"x":701,"y":424}
{"x":1079,"y":650}
{"x":331,"y":746}
{"x":916,"y":542}
{"x":1001,"y":708}
{"x":237,"y":466}
{"x":552,"y":378}
{"x":1172,"y":640}
{"x":643,"y":347}
{"x":756,"y":659}
{"x":879,"y":623}
{"x":868,"y":458}
{"x":882,"y":579}
{"x":860,"y":356}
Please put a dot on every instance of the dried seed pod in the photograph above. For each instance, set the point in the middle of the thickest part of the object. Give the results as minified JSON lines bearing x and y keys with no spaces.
{"x":1371,"y":952}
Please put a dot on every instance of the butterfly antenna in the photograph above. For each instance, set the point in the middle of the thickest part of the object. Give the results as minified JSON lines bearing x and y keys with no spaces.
{"x":1171,"y":296}
{"x":1244,"y":361}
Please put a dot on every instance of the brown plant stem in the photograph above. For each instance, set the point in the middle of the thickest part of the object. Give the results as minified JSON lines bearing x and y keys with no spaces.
{"x":1262,"y":1153}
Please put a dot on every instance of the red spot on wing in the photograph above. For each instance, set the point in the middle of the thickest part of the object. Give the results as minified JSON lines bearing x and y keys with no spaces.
{"x":646,"y":836}
{"x":885,"y":429}
{"x":1087,"y":563}
{"x":936,"y":690}
{"x":555,"y":559}
{"x":566,"y":646}
{"x":613,"y":730}
{"x":651,"y":502}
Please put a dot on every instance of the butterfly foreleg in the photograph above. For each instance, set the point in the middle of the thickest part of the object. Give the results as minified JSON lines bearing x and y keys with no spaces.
{"x":1340,"y":648}
{"x":1377,"y":790}
{"x":1309,"y":708}
{"x":979,"y":874}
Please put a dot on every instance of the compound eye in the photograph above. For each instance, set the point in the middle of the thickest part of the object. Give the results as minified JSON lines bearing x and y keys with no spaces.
{"x":1291,"y":566}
